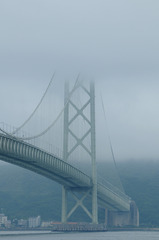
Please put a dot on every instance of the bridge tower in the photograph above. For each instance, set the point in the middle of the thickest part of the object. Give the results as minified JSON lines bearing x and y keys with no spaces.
{"x":68,"y":120}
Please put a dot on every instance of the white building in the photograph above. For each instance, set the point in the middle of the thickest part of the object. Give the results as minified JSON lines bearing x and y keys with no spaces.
{"x":1,"y":216}
{"x":4,"y":222}
{"x":46,"y":224}
{"x":22,"y":223}
{"x":34,"y":222}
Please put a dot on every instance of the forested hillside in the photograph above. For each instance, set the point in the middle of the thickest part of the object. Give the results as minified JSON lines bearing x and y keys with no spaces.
{"x":24,"y":194}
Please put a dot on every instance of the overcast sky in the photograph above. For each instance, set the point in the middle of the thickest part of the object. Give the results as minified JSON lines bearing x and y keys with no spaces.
{"x":115,"y":41}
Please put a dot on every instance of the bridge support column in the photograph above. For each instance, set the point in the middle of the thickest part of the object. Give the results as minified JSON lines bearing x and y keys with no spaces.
{"x":106,"y":216}
{"x":64,"y":205}
{"x":93,"y":155}
{"x":91,"y":151}
{"x":65,"y":151}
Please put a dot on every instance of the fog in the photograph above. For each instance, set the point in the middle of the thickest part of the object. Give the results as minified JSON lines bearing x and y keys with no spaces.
{"x":115,"y":42}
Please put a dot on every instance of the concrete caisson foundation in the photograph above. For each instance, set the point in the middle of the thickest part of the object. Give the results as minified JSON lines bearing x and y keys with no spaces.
{"x":121,"y":219}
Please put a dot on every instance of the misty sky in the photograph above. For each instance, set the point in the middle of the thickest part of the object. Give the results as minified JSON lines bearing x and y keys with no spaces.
{"x":114,"y":41}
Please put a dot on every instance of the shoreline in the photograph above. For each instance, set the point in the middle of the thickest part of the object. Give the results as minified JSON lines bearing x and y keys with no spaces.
{"x":19,"y":232}
{"x":133,"y":229}
{"x":23,"y":232}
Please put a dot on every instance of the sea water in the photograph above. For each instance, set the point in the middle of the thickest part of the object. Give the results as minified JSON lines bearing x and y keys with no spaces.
{"x":121,"y":235}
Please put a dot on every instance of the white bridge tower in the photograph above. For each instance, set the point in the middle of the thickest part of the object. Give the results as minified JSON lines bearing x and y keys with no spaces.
{"x":68,"y":120}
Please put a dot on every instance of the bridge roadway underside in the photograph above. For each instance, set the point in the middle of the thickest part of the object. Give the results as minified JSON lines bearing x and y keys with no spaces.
{"x":32,"y":158}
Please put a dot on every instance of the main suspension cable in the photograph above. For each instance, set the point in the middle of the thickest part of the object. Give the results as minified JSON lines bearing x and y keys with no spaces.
{"x":110,"y":143}
{"x":15,"y":131}
{"x":52,"y":124}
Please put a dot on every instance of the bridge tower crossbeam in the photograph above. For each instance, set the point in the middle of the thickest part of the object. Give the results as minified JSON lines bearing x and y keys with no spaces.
{"x":80,"y":142}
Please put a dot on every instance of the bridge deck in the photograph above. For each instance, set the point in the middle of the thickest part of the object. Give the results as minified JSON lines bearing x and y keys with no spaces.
{"x":30,"y":157}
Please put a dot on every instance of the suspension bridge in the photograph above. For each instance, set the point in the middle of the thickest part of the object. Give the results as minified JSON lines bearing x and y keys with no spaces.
{"x":62,"y":146}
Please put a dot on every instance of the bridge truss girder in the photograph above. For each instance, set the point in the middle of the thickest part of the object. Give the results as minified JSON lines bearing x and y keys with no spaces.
{"x":34,"y":159}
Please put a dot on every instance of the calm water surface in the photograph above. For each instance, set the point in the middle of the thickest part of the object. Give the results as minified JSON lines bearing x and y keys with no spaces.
{"x":86,"y":236}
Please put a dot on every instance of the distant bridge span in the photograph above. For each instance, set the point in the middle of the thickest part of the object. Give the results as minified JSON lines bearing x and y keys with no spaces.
{"x":37,"y":160}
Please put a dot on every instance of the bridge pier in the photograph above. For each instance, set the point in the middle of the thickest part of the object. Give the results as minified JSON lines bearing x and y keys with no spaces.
{"x":64,"y":205}
{"x":106,"y":216}
{"x":122,"y":219}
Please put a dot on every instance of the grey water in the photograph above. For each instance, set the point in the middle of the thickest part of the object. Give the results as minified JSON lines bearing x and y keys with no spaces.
{"x":125,"y":235}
